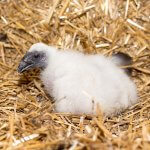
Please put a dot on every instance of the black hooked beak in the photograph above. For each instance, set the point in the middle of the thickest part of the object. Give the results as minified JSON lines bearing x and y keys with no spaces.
{"x":24,"y":66}
{"x":26,"y":63}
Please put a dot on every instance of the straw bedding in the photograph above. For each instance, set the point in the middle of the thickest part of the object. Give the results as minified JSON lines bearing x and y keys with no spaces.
{"x":93,"y":26}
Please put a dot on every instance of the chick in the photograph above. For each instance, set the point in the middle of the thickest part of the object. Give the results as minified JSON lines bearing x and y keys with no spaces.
{"x":79,"y":82}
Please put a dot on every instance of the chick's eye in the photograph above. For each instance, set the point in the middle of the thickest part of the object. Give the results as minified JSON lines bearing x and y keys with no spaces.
{"x":36,"y":56}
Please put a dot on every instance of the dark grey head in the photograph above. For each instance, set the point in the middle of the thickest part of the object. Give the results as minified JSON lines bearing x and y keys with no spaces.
{"x":34,"y":58}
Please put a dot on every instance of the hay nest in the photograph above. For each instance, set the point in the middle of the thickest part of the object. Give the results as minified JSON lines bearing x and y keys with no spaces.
{"x":94,"y":26}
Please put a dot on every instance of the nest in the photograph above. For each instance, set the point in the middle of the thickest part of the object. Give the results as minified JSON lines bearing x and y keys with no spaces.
{"x":95,"y":26}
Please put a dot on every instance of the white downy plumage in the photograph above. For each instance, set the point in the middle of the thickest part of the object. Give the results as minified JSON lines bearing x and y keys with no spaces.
{"x":79,"y":82}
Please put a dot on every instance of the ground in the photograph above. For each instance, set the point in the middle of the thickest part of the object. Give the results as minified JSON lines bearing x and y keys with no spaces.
{"x":95,"y":26}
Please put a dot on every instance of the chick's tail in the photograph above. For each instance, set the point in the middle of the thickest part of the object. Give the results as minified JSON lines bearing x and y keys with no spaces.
{"x":123,"y":60}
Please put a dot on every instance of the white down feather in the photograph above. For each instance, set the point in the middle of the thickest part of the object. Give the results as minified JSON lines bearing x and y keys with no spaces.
{"x":79,"y":82}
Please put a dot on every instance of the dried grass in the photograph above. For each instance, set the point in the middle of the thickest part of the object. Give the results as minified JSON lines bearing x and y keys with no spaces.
{"x":94,"y":26}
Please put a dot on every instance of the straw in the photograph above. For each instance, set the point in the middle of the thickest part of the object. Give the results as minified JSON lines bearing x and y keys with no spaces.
{"x":27,"y":120}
